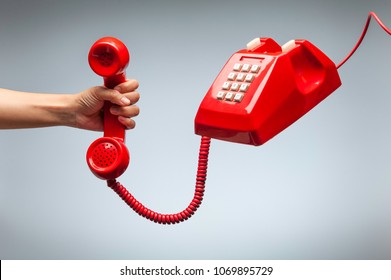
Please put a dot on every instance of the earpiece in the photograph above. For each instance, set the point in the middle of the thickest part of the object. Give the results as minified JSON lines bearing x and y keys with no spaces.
{"x":108,"y":57}
{"x":108,"y":157}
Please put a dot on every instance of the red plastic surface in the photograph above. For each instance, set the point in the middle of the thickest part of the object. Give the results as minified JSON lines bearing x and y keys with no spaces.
{"x":287,"y":86}
{"x":108,"y":157}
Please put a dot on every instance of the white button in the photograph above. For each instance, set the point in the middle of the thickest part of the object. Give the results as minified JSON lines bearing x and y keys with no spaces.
{"x":246,"y":67}
{"x":240,"y":77}
{"x":221,"y":95}
{"x":244,"y":87}
{"x":235,"y":86}
{"x":238,"y":97}
{"x":250,"y":78}
{"x":232,"y":76}
{"x":255,"y":68}
{"x":229,"y":96}
{"x":226,"y":85}
{"x":237,"y":67}
{"x":253,"y":44}
{"x":288,"y":46}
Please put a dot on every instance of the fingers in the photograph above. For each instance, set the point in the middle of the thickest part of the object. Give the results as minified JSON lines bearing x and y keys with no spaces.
{"x":123,"y":94}
{"x":125,"y":114}
{"x":128,"y":86}
{"x":127,"y":110}
{"x":133,"y":97}
{"x":127,"y":122}
{"x":123,"y":97}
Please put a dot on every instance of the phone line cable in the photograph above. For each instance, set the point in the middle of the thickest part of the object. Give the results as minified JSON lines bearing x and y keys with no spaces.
{"x":382,"y":25}
{"x":156,"y":217}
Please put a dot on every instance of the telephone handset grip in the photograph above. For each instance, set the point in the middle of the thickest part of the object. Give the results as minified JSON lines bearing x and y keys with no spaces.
{"x":108,"y":157}
{"x":111,"y":126}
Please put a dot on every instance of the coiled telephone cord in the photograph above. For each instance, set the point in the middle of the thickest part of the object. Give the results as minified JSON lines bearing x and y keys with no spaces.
{"x":139,"y":208}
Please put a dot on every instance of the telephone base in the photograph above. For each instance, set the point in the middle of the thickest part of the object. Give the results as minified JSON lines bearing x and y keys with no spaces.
{"x":264,"y":89}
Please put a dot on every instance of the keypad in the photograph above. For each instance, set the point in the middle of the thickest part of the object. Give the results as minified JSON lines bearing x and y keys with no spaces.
{"x":238,"y":82}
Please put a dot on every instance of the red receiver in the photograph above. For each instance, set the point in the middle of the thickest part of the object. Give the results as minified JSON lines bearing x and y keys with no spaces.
{"x":108,"y":157}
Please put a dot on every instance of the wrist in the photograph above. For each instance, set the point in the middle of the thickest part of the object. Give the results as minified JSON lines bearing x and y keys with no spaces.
{"x":56,"y":109}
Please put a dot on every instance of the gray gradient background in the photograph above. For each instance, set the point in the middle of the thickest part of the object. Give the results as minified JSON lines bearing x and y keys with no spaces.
{"x":319,"y":190}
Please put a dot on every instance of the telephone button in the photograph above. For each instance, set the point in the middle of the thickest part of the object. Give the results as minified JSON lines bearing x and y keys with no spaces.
{"x":240,"y":77}
{"x":255,"y":68}
{"x":237,"y":67}
{"x":226,"y":85}
{"x":246,"y":67}
{"x":229,"y":96}
{"x":238,"y":97}
{"x":244,"y":87}
{"x":232,"y":76}
{"x":235,"y":87}
{"x":249,"y":78}
{"x":221,"y":95}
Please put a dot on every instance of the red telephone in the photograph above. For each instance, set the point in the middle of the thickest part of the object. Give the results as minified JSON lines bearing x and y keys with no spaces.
{"x":108,"y":157}
{"x":259,"y":92}
{"x":263,"y":89}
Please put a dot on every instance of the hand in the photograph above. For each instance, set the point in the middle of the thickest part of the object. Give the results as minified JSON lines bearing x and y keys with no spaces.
{"x":89,"y":114}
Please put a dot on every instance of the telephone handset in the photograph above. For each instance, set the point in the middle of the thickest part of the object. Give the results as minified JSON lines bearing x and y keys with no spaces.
{"x":263,"y":89}
{"x":108,"y":157}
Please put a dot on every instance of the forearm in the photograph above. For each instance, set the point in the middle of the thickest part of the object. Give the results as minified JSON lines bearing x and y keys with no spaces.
{"x":29,"y":110}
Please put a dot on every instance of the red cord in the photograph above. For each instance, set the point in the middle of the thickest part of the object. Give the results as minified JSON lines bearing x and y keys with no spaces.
{"x":170,"y":218}
{"x":382,"y":25}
